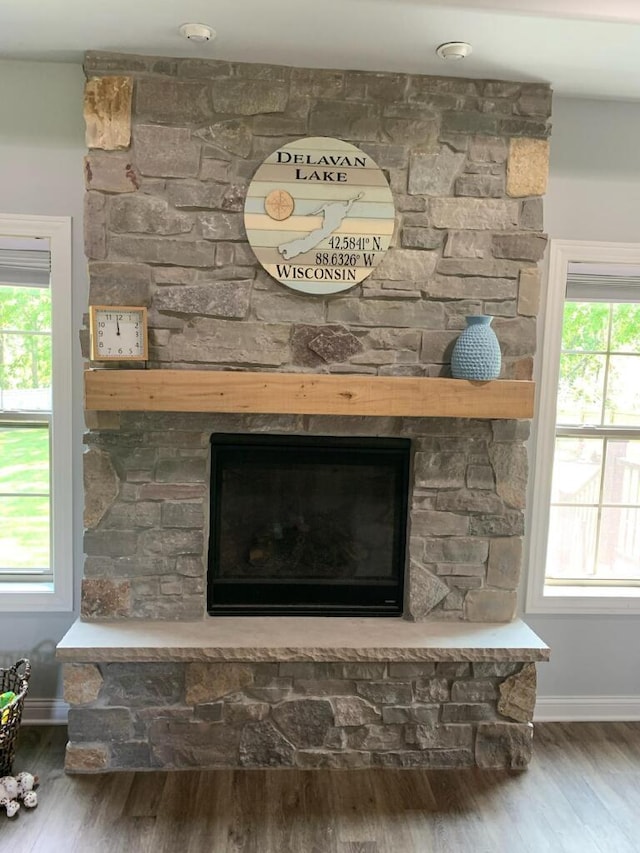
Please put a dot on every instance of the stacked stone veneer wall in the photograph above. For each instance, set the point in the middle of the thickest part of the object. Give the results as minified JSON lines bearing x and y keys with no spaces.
{"x":342,"y":715}
{"x":147,"y":495}
{"x":173,"y":146}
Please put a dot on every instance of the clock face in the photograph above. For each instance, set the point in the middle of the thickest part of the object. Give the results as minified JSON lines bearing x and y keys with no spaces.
{"x":118,"y":333}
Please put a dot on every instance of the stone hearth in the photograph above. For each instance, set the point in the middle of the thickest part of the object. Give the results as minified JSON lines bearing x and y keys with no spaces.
{"x":304,"y":692}
{"x":173,"y":144}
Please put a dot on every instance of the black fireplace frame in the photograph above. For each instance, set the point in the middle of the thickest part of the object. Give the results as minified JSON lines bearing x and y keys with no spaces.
{"x":227,"y":597}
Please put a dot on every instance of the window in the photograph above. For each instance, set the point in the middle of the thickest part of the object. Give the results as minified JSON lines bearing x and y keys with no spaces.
{"x":35,"y":414}
{"x":585,"y":535}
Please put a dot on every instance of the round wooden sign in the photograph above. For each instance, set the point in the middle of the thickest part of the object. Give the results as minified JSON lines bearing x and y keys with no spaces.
{"x":319,"y":215}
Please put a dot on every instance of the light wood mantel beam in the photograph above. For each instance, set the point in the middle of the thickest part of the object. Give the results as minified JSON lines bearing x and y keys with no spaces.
{"x":304,"y":394}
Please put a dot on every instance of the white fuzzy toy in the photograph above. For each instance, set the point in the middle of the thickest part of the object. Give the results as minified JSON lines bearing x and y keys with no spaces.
{"x":15,"y":788}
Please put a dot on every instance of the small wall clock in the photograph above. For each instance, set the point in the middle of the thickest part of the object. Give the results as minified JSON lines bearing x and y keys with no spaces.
{"x":118,"y":333}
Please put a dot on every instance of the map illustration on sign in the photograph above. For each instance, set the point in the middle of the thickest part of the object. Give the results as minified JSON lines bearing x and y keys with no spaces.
{"x":319,"y":215}
{"x":334,"y":212}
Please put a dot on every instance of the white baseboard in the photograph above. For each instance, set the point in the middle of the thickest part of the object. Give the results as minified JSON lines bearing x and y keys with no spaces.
{"x":45,"y":712}
{"x":583,"y":709}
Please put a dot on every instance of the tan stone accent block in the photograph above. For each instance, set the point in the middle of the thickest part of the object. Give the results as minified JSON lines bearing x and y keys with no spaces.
{"x":107,"y":112}
{"x":103,"y":598}
{"x":82,"y":683}
{"x":529,"y":292}
{"x":206,"y":682}
{"x":100,"y":485}
{"x":87,"y":758}
{"x":518,"y":695}
{"x":527,"y":167}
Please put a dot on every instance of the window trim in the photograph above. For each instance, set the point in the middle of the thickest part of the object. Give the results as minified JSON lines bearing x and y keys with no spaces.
{"x":56,"y":595}
{"x":541,"y":598}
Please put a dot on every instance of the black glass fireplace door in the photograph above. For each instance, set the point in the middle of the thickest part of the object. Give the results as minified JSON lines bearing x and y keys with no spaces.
{"x":307,"y":525}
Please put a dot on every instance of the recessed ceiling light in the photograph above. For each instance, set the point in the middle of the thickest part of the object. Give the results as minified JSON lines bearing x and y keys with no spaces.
{"x":454,"y":50}
{"x":197,"y":32}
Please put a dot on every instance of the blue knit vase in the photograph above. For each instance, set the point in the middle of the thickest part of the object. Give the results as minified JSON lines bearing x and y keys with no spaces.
{"x":476,"y":354}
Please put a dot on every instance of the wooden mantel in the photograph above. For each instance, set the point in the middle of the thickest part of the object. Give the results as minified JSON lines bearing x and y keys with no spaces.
{"x":304,"y":394}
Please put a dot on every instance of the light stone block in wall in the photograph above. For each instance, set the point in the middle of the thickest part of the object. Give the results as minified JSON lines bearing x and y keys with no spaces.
{"x":467,"y":244}
{"x":105,"y":599}
{"x":529,"y":292}
{"x":86,"y":758}
{"x":488,"y":605}
{"x":433,"y":174}
{"x":420,"y":315}
{"x":426,"y":590}
{"x":510,"y":466}
{"x":518,"y":694}
{"x":82,"y":683}
{"x":100,"y":485}
{"x":505,"y":560}
{"x":226,"y":342}
{"x":474,"y":214}
{"x":217,"y":299}
{"x":110,"y":172}
{"x":107,"y":112}
{"x":527,"y":167}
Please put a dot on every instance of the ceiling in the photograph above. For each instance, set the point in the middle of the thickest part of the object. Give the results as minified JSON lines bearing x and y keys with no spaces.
{"x":584,"y":48}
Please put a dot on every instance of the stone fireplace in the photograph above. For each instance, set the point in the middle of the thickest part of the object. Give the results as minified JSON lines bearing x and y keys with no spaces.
{"x":152,"y":678}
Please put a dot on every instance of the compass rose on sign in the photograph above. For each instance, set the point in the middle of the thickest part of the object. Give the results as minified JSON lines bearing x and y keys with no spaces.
{"x":279,"y":205}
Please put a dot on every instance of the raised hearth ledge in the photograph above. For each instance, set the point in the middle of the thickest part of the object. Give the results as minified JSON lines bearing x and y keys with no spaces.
{"x":248,"y":638}
{"x":305,"y":394}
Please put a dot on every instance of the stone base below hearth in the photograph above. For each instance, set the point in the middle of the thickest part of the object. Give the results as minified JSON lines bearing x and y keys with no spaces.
{"x":278,"y":711}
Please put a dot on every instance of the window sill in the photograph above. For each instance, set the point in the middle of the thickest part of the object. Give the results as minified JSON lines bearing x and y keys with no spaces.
{"x":580,"y":599}
{"x":34,"y":597}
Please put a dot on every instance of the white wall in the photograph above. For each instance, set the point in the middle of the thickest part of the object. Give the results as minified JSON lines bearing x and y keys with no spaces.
{"x":41,"y":151}
{"x":594,"y":194}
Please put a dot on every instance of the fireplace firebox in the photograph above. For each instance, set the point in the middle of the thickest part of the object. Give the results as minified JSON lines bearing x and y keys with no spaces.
{"x":305,"y":525}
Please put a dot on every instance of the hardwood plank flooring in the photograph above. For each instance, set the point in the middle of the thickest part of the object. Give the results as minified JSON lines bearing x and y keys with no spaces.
{"x":581,"y":794}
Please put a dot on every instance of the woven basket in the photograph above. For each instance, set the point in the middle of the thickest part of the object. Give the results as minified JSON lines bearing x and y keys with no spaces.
{"x":16,"y":679}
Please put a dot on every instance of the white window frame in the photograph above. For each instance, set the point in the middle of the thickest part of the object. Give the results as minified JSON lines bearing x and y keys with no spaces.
{"x":57,"y":595}
{"x":542,"y":598}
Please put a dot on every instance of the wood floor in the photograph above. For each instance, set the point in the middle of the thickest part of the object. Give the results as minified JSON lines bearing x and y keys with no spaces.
{"x":581,"y":794}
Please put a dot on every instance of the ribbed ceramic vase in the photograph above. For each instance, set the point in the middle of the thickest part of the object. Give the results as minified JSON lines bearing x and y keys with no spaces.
{"x":476,"y":354}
